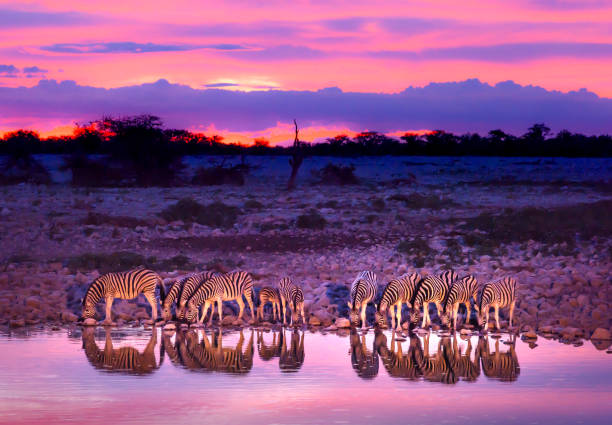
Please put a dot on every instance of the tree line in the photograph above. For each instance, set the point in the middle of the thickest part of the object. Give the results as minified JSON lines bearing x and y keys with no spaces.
{"x":144,"y":140}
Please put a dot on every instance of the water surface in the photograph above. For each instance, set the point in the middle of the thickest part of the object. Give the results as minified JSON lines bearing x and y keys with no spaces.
{"x":284,"y":377}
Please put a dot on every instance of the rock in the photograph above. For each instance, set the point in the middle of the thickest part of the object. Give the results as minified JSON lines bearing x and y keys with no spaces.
{"x":530,"y":334}
{"x":464,"y":332}
{"x":90,"y":322}
{"x":81,"y":278}
{"x":601,"y":333}
{"x":331,"y":328}
{"x":68,"y":316}
{"x":228,"y":320}
{"x":582,"y":300}
{"x":33,"y":301}
{"x":324,"y":317}
{"x":16,"y":323}
{"x":343,"y":323}
{"x":546,"y":329}
{"x":314,"y":321}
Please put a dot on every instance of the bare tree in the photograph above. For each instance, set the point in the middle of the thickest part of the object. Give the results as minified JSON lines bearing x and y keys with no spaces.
{"x":297,"y":157}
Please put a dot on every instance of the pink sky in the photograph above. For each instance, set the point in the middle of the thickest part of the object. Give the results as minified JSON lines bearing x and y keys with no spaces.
{"x":359,"y":46}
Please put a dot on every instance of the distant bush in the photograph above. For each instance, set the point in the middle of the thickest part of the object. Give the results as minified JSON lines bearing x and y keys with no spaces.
{"x":418,"y":247}
{"x":336,"y":175}
{"x":252,"y":204}
{"x":97,"y":219}
{"x":377,"y":204}
{"x":311,"y":220}
{"x":216,"y":214}
{"x":123,"y":260}
{"x":417,"y":201}
{"x":219,"y":175}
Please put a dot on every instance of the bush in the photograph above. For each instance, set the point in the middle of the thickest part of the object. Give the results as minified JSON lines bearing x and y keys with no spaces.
{"x":417,"y":201}
{"x":252,"y":204}
{"x":377,"y":204}
{"x":219,"y":175}
{"x":336,"y":175}
{"x":311,"y":220}
{"x":97,"y":219}
{"x":116,"y":261}
{"x":216,"y":214}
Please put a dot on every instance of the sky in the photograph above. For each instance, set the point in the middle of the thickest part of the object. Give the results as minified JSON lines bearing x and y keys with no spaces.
{"x":246,"y":69}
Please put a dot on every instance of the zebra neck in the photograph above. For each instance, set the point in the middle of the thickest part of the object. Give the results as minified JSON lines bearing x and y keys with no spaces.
{"x":94,"y":293}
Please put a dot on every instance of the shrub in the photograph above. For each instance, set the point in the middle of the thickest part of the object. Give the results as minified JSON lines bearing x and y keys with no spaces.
{"x":252,"y":204}
{"x":417,"y":201}
{"x":216,"y":214}
{"x":336,"y":175}
{"x":219,"y":175}
{"x":311,"y":220}
{"x":116,"y":261}
{"x":98,"y":219}
{"x":377,"y":204}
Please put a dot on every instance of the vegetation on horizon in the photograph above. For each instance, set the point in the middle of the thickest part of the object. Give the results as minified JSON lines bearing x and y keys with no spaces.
{"x":145,"y":144}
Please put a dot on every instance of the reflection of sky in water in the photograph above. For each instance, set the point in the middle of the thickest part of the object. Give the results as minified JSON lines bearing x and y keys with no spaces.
{"x":47,"y":378}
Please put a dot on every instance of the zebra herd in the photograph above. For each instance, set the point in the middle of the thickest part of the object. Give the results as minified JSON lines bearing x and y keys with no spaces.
{"x":203,"y":290}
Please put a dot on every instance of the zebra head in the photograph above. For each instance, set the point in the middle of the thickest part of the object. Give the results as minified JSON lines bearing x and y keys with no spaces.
{"x":353,"y":314}
{"x":167,"y":311}
{"x":445,"y":318}
{"x":89,"y":310}
{"x":381,"y":319}
{"x":415,"y":314}
{"x":192,"y":313}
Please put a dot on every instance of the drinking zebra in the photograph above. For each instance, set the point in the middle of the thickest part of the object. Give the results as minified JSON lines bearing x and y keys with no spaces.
{"x":462,"y":291}
{"x":191,"y":285}
{"x":396,"y":293}
{"x":226,"y":287}
{"x":497,"y":294}
{"x":431,"y":289}
{"x":500,"y":366}
{"x":290,"y":295}
{"x":296,"y":305}
{"x":172,"y":296}
{"x":123,"y":285}
{"x":398,"y":363}
{"x":363,"y":291}
{"x":267,"y":294}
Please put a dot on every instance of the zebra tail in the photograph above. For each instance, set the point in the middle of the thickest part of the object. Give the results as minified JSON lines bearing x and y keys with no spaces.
{"x":162,"y":290}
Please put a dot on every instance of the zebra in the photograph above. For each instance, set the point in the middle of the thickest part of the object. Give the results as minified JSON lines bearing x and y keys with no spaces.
{"x":431,"y":289}
{"x":496,"y":294}
{"x":461,"y":292}
{"x":123,"y":285}
{"x":363,"y":291}
{"x":126,"y":360}
{"x":226,"y":287}
{"x":191,"y":285}
{"x":398,"y":364}
{"x":267,"y":294}
{"x":462,"y":365}
{"x":291,"y":359}
{"x":500,"y":366}
{"x":289,"y":296}
{"x":396,"y":293}
{"x":171,"y":296}
{"x":296,"y":305}
{"x":434,"y":368}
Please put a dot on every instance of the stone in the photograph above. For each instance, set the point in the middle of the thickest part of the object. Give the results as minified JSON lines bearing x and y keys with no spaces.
{"x":343,"y":323}
{"x":33,"y":301}
{"x":68,"y":316}
{"x":90,"y":322}
{"x":530,"y":334}
{"x":314,"y":321}
{"x":228,"y":320}
{"x":582,"y":300}
{"x":324,"y":317}
{"x":464,"y":332}
{"x":16,"y":323}
{"x":601,"y":333}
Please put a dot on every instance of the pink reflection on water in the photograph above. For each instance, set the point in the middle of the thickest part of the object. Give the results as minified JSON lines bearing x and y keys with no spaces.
{"x":48,"y":379}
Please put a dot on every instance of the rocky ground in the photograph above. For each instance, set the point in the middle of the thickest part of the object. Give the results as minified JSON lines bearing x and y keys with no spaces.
{"x":554,"y":236}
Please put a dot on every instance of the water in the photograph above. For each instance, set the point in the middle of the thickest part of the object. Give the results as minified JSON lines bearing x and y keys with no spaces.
{"x":251,"y":377}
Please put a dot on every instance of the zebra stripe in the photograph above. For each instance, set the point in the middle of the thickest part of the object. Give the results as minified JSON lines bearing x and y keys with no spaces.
{"x":399,"y":364}
{"x":363,"y":291}
{"x":190,"y":286}
{"x":226,"y":287}
{"x":364,"y":361}
{"x":497,"y":294}
{"x":123,"y":285}
{"x":462,"y":291}
{"x":500,"y":366}
{"x":172,"y":296}
{"x":268,"y":352}
{"x":291,"y":358}
{"x":397,"y":292}
{"x":290,"y":295}
{"x":267,"y":294}
{"x":431,"y":289}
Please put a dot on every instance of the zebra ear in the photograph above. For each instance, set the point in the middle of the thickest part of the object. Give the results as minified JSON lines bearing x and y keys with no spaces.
{"x":349,"y":304}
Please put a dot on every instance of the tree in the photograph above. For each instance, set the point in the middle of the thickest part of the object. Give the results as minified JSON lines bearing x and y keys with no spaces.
{"x":296,"y":159}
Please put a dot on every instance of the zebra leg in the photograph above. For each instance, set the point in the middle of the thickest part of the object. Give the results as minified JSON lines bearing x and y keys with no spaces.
{"x":468,"y":312}
{"x":439,"y":310}
{"x":497,"y":316}
{"x":249,"y":298}
{"x":398,"y":316}
{"x":240,"y":306}
{"x":363,"y":315}
{"x":109,"y":304}
{"x":284,"y":309}
{"x":151,"y":298}
{"x":205,"y":310}
{"x":425,"y":311}
{"x":219,"y":311}
{"x":511,"y":312}
{"x":303,"y":315}
{"x":392,"y":313}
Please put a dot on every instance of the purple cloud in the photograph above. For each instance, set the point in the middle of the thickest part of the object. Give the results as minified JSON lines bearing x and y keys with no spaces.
{"x":8,"y":70}
{"x":13,"y":18}
{"x":466,"y":106}
{"x":131,"y":47}
{"x":278,"y":53}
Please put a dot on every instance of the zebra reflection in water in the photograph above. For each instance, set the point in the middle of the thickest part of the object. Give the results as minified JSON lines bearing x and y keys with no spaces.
{"x":500,"y":366}
{"x":269,"y":351}
{"x":364,"y":361}
{"x":397,"y":363}
{"x":291,"y":357}
{"x":127,"y":360}
{"x":196,"y":351}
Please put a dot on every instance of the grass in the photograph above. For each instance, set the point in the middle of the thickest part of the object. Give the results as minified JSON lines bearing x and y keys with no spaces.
{"x":311,"y":220}
{"x":336,"y":175}
{"x":417,"y":201}
{"x":216,"y":214}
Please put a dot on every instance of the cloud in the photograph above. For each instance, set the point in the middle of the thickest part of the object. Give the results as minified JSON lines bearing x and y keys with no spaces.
{"x":131,"y":47}
{"x":466,"y":106}
{"x":33,"y":70}
{"x":278,"y":53}
{"x":219,"y":85}
{"x":13,"y":18}
{"x":510,"y":52}
{"x":11,"y":71}
{"x":8,"y":70}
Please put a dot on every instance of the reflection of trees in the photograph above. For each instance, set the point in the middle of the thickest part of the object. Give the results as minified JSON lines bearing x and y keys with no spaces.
{"x":126,"y":360}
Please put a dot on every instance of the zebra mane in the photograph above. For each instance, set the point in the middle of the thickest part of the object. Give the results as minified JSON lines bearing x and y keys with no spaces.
{"x":91,"y":294}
